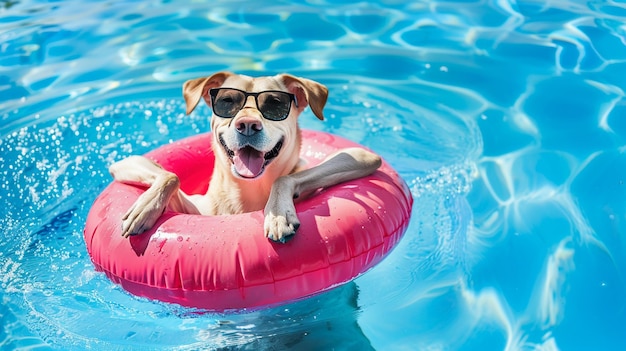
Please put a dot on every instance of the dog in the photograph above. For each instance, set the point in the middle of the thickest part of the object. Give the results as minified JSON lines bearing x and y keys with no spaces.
{"x":256,"y":141}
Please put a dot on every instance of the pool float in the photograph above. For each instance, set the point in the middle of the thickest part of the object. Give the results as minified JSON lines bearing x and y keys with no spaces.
{"x":225,"y":262}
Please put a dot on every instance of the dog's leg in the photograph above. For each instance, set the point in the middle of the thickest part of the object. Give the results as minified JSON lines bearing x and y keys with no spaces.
{"x":281,"y":221}
{"x":163,"y":190}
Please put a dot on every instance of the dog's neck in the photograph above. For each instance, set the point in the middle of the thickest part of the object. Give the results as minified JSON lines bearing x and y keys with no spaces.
{"x":234,"y":195}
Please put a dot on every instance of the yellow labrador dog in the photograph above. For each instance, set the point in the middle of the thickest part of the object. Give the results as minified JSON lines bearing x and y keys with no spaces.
{"x":256,"y":142}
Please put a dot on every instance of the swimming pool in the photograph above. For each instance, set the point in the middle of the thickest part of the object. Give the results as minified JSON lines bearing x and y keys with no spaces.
{"x":505,"y":118}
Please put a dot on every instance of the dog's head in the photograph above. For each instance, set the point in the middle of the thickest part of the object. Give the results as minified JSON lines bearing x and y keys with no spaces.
{"x":255,"y":120}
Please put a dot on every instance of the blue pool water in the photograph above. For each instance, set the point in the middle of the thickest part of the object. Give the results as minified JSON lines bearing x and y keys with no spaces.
{"x":506,"y":118}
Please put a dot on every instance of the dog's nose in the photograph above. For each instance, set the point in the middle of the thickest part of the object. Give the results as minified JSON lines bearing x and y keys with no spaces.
{"x":249,"y":126}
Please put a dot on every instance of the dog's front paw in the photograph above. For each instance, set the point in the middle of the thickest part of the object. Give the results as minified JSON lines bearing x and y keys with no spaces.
{"x":281,"y":226}
{"x":143,"y":214}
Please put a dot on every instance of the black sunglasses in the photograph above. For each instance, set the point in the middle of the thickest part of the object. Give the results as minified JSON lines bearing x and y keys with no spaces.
{"x":273,"y":104}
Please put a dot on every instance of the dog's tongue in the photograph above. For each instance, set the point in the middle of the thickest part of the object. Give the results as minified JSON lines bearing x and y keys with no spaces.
{"x":248,"y":162}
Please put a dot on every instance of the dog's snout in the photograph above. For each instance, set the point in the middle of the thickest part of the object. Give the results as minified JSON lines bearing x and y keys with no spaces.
{"x":248,"y":126}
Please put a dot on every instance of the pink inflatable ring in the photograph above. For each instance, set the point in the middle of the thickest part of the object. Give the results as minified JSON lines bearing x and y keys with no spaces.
{"x":225,"y":262}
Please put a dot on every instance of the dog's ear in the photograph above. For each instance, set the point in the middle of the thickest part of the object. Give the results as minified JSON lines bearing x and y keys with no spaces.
{"x":307,"y":92}
{"x":194,"y":89}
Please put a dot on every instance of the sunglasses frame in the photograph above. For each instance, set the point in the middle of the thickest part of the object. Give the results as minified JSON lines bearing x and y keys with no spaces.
{"x":213,"y":93}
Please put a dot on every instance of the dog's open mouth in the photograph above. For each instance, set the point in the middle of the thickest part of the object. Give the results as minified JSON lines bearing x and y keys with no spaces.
{"x":249,"y":162}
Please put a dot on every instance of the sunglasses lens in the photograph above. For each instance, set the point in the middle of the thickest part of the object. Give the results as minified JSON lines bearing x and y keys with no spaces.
{"x":227,"y":102}
{"x":274,"y":105}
